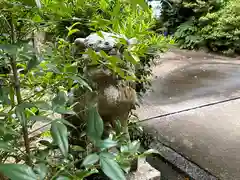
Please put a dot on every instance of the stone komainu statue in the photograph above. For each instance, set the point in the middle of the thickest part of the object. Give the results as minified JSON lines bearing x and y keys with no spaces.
{"x":114,"y":97}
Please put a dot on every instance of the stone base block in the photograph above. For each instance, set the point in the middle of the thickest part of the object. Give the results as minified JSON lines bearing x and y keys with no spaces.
{"x":145,"y":172}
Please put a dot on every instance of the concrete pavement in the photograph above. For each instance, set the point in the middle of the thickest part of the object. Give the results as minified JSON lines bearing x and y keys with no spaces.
{"x":209,"y":136}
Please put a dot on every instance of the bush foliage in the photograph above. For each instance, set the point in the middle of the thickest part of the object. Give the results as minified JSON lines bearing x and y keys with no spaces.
{"x":213,"y":24}
{"x":35,"y":79}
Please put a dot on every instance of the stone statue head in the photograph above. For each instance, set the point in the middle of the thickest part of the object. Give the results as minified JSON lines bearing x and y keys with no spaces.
{"x":107,"y":42}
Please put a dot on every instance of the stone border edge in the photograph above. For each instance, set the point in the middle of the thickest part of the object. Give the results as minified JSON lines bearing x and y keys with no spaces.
{"x":149,"y":141}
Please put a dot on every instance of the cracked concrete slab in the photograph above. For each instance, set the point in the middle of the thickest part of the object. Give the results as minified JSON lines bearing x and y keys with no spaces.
{"x":210,"y":136}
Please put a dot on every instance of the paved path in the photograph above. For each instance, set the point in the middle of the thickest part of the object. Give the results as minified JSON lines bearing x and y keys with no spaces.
{"x":209,"y":136}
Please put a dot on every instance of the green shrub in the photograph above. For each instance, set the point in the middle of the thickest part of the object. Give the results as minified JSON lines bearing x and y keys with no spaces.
{"x":220,"y":30}
{"x":187,"y":35}
{"x":213,"y":24}
{"x":175,"y":12}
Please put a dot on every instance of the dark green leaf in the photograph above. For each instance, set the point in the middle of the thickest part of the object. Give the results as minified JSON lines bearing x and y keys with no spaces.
{"x":90,"y":160}
{"x":110,"y":167}
{"x":4,"y":96}
{"x":53,"y":68}
{"x":60,"y":99}
{"x":108,"y":155}
{"x":129,"y":57}
{"x":60,"y":136}
{"x":29,"y":2}
{"x":5,"y":146}
{"x":21,"y":115}
{"x":42,"y":105}
{"x":63,"y":110}
{"x":41,"y":170}
{"x":93,"y":56}
{"x":18,"y":172}
{"x":10,"y":49}
{"x":125,"y":165}
{"x":94,"y":124}
{"x":12,"y":94}
{"x":65,"y":122}
{"x":26,"y":105}
{"x":83,"y":174}
{"x":32,"y":63}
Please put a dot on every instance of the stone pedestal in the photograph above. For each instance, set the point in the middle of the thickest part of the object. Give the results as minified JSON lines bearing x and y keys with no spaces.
{"x":144,"y":172}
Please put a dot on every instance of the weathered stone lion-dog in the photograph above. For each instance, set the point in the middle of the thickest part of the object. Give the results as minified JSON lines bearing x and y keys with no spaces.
{"x":114,"y":96}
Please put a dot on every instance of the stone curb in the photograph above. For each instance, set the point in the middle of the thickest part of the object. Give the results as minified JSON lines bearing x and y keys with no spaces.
{"x":149,"y":141}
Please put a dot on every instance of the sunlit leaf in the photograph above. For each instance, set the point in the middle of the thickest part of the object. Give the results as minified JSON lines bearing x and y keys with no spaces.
{"x":134,"y":146}
{"x":116,"y":9}
{"x":106,"y":143}
{"x":62,"y":178}
{"x":71,"y":27}
{"x":81,"y":82}
{"x":72,"y":31}
{"x":38,"y":3}
{"x":142,"y":3}
{"x":70,"y":68}
{"x":60,"y":136}
{"x":114,"y":59}
{"x":39,"y":118}
{"x":42,"y":105}
{"x":78,"y":148}
{"x":100,"y":34}
{"x":148,"y":152}
{"x":103,"y":54}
